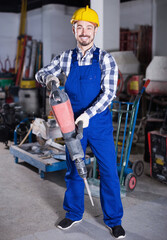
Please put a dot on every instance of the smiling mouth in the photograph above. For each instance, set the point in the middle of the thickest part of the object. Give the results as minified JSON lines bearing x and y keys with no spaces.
{"x":84,"y":37}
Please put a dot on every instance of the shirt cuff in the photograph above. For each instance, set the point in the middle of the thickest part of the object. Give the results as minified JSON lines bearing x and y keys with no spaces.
{"x":89,"y":112}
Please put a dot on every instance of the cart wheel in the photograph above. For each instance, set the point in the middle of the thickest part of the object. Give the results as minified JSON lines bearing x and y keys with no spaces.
{"x":130,"y":182}
{"x":138,"y":168}
{"x":42,"y":174}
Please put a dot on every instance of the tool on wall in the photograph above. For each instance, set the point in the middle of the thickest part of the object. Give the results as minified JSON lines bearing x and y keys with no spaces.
{"x":7,"y":65}
{"x":27,"y":59}
{"x":21,"y":62}
{"x":1,"y":66}
{"x":33,"y":59}
{"x":21,"y":33}
{"x":38,"y":60}
{"x":63,"y":113}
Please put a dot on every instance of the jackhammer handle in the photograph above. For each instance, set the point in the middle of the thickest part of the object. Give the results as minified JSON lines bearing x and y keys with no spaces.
{"x":53,"y":85}
{"x":80,"y":130}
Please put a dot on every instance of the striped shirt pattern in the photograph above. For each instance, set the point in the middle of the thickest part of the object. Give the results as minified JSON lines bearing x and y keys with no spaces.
{"x":109,"y":75}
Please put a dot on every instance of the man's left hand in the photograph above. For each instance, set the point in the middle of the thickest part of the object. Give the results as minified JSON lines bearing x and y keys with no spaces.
{"x":84,"y":117}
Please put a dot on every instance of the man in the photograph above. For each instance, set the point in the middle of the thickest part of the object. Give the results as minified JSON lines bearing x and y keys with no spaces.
{"x":91,"y":85}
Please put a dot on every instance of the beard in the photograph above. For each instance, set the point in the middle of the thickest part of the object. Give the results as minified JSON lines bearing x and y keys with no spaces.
{"x":87,"y":42}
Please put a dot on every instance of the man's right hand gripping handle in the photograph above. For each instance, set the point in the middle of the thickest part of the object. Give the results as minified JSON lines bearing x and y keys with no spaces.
{"x":51,"y":78}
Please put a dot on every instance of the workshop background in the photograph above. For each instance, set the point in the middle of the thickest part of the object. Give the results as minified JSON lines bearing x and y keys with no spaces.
{"x":32,"y":163}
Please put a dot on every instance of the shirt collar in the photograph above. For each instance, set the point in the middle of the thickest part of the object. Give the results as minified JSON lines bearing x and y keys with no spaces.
{"x":90,"y":51}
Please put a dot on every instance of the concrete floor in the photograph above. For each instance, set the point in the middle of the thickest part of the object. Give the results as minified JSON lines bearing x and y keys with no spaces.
{"x":30,"y":207}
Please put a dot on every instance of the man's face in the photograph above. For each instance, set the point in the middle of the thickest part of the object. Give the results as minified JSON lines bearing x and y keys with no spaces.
{"x":84,"y":32}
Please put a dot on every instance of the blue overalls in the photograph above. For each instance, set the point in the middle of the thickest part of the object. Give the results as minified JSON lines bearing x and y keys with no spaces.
{"x":83,"y":88}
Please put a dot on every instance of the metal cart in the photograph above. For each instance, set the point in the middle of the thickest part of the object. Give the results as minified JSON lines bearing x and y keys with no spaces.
{"x":126,"y":115}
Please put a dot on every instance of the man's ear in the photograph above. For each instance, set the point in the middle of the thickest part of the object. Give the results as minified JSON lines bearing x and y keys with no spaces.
{"x":96,"y":29}
{"x":73,"y":29}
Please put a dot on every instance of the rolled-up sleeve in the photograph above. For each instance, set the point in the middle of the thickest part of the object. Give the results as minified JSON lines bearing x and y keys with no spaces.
{"x":109,"y":78}
{"x":51,"y":69}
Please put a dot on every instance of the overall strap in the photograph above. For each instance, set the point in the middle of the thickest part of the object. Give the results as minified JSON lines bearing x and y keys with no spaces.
{"x":95,"y":56}
{"x":74,"y":56}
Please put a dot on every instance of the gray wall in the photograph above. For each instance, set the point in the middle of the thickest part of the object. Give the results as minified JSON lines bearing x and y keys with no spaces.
{"x":51,"y":24}
{"x":9,"y":30}
{"x":111,"y":25}
{"x":108,"y":34}
{"x":135,"y":13}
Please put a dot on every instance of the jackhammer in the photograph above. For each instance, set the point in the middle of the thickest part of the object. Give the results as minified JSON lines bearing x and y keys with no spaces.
{"x":63,"y":113}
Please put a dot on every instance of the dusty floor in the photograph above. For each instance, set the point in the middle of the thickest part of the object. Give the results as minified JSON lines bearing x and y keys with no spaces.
{"x":30,"y":207}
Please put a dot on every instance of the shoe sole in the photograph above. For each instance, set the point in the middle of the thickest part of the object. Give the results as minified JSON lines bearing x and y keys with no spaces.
{"x":69,"y":226}
{"x":120,"y":237}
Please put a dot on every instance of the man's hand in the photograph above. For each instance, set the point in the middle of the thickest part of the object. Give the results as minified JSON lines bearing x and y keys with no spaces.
{"x":51,"y":78}
{"x":84,"y":117}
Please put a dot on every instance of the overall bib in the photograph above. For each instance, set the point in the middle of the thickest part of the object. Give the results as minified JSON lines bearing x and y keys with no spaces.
{"x":83,"y":88}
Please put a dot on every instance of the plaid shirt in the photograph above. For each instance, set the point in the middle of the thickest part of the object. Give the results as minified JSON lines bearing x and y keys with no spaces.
{"x":109,"y":75}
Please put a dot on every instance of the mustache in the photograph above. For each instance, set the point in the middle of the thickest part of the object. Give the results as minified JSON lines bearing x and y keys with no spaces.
{"x":83,"y":36}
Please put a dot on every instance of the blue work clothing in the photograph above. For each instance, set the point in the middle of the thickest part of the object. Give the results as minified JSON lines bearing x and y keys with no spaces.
{"x":62,"y":63}
{"x":83,"y":86}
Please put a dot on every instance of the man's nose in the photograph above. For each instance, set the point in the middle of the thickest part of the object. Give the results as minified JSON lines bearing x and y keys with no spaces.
{"x":83,"y":31}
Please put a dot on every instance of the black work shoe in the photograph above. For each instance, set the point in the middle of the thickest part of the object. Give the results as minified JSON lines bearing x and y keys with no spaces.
{"x":66,"y":223}
{"x":117,"y":232}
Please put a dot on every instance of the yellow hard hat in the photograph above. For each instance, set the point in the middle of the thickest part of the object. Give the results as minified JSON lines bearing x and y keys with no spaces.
{"x":85,"y":14}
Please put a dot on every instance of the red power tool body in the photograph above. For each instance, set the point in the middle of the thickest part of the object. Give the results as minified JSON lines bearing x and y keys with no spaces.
{"x":63,"y":113}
